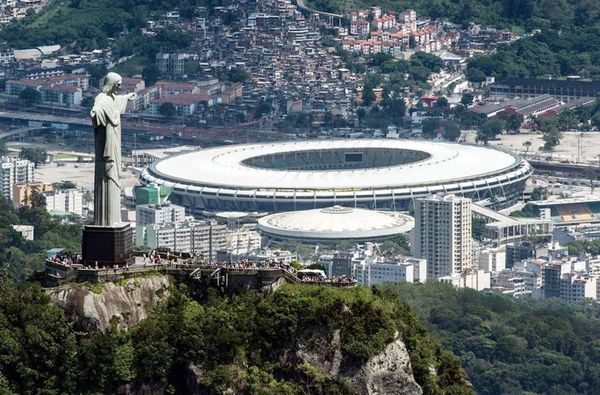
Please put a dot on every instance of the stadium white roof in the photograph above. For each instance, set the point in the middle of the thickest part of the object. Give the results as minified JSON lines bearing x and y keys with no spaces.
{"x":222,"y":167}
{"x":335,"y":223}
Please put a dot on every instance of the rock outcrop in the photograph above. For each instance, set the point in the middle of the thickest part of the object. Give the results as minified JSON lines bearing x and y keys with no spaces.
{"x":388,"y":372}
{"x":111,"y":304}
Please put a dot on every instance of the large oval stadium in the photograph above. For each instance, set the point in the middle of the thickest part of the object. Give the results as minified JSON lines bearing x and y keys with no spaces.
{"x":377,"y":174}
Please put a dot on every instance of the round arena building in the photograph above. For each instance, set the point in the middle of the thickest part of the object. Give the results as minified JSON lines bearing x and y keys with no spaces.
{"x":334,"y":224}
{"x":380,"y":174}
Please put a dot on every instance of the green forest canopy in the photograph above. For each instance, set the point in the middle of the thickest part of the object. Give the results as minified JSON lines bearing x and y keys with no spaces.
{"x":88,"y":24}
{"x":522,"y":14}
{"x":21,"y":258}
{"x":511,"y":346}
{"x":237,"y":342}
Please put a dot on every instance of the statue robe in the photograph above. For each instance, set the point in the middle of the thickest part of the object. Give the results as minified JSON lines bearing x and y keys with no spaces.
{"x":106,"y":119}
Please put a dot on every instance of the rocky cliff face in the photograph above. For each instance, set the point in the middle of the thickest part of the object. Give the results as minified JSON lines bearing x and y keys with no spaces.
{"x":123,"y":305}
{"x":388,"y":372}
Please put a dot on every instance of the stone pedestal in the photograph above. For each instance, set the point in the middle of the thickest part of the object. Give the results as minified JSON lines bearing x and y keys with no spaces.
{"x":107,"y":245}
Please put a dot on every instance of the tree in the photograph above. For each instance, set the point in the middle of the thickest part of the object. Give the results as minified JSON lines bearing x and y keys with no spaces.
{"x":411,"y":41}
{"x":262,"y":109}
{"x":397,"y":245}
{"x":595,"y":120}
{"x":490,"y":129}
{"x":448,"y":129}
{"x":429,"y":127}
{"x":513,"y":121}
{"x":87,"y":102}
{"x":64,"y":184}
{"x":151,"y":74}
{"x":475,"y":75}
{"x":442,"y":102}
{"x":379,"y":59}
{"x":368,"y":96}
{"x":38,"y":345}
{"x":432,"y":62}
{"x":237,"y":74}
{"x":97,"y":73}
{"x":451,"y":130}
{"x":467,"y":99}
{"x":30,"y":96}
{"x":528,"y":211}
{"x":551,"y":138}
{"x":167,"y":110}
{"x":361,"y":113}
{"x":340,"y":122}
{"x":35,"y":155}
{"x":527,"y":145}
{"x":478,"y":228}
{"x":316,"y":266}
{"x":539,"y":193}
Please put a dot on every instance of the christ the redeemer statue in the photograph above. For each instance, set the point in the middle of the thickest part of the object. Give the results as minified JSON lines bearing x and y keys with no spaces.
{"x":106,"y":119}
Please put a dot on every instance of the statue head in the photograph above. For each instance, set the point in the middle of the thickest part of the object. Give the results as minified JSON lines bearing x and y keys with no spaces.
{"x":112,"y":83}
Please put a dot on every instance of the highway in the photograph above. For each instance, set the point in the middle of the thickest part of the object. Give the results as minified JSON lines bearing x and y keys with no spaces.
{"x":300,"y":4}
{"x":19,"y":132}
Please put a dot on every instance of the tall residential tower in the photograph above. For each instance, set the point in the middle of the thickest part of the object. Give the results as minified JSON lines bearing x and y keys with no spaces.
{"x":442,"y":234}
{"x":12,"y":172}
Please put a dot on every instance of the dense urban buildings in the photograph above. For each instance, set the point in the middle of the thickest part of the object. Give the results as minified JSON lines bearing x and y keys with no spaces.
{"x":166,"y":226}
{"x":160,"y":214}
{"x":203,"y":238}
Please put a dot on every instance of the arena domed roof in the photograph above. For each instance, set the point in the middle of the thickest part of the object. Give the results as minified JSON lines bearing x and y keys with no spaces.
{"x":335,"y":223}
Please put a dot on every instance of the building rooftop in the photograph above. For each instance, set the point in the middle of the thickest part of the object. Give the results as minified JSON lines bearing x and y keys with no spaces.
{"x":183,"y":99}
{"x":336,"y":223}
{"x":426,"y":163}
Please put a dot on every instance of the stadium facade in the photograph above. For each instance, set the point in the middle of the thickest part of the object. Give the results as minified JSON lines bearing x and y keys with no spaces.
{"x":379,"y":174}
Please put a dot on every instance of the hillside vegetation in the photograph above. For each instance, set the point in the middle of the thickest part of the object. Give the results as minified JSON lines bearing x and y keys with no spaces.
{"x":509,"y":346}
{"x":242,"y":343}
{"x":20,"y":258}
{"x":519,"y":14}
{"x":88,"y":24}
{"x":567,"y":43}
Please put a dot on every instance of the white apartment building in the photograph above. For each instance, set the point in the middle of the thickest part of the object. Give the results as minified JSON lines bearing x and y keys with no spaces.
{"x":199,"y":237}
{"x":14,"y":171}
{"x":509,"y":285}
{"x":474,"y":279}
{"x":492,"y":260}
{"x":242,"y":241}
{"x":65,"y":201}
{"x":159,"y":214}
{"x":403,"y":270}
{"x":408,"y":21}
{"x":532,"y":279}
{"x":575,"y":288}
{"x":442,"y":235}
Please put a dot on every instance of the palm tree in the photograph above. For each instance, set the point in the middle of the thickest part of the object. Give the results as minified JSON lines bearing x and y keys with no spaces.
{"x":527,"y":144}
